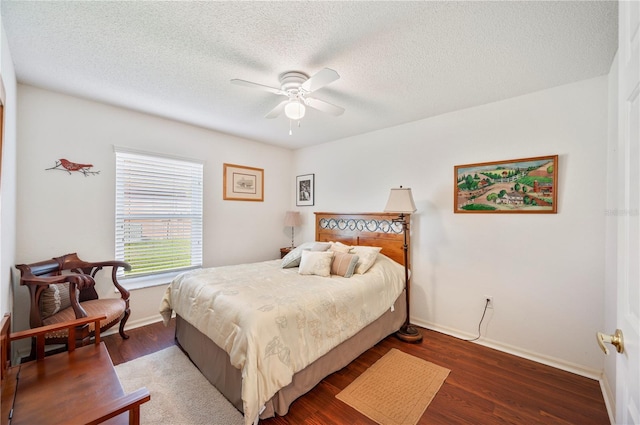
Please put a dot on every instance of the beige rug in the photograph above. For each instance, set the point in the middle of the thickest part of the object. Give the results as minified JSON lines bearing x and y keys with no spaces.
{"x":180,"y":394}
{"x":396,"y":389}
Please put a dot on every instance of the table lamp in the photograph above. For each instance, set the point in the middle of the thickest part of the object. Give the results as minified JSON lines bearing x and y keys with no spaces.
{"x":292,"y":219}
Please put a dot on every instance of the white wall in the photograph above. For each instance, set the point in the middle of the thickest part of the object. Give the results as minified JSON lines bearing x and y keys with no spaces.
{"x":60,"y":213}
{"x":544,"y":271}
{"x":8,"y":178}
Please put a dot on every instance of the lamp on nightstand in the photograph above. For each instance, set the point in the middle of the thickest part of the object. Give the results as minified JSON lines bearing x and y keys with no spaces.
{"x":292,"y":219}
{"x":401,"y":201}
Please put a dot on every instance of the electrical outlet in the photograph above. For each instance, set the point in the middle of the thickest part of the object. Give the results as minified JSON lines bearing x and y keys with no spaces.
{"x":488,"y":299}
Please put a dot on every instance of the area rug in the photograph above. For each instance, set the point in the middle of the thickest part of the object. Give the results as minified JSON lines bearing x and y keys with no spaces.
{"x":396,"y":389}
{"x":180,"y":394}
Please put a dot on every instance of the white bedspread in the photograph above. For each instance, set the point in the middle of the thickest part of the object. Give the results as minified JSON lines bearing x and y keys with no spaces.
{"x":274,"y":322}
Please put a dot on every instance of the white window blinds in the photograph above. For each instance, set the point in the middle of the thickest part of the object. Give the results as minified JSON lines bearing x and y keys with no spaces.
{"x":158,"y":213}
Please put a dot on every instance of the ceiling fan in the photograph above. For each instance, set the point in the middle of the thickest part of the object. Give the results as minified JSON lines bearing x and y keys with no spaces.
{"x":298,"y":87}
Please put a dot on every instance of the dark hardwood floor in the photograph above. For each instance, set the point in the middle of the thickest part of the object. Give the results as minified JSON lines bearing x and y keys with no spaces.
{"x":485,"y":386}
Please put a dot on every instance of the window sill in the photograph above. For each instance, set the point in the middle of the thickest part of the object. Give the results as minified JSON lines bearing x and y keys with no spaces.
{"x":134,"y":283}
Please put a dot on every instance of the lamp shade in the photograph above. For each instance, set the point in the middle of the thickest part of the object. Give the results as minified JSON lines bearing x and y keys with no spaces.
{"x":292,"y":219}
{"x":294,"y":110}
{"x":400,"y":201}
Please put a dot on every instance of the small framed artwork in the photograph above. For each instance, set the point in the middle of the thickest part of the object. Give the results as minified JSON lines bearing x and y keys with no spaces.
{"x":305,"y":190}
{"x":242,"y":183}
{"x":527,"y":185}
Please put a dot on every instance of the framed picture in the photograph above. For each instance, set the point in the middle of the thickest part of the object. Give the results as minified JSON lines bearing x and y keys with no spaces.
{"x":527,"y":185}
{"x":242,"y":183}
{"x":305,"y":190}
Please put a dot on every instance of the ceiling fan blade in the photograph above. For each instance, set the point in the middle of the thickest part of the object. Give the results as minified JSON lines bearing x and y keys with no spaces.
{"x":258,"y":86}
{"x":320,"y":79}
{"x":277,"y":110}
{"x":323,"y":106}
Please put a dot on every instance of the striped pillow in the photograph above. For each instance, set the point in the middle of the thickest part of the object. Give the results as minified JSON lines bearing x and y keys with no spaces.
{"x":54,"y":299}
{"x":343,"y":264}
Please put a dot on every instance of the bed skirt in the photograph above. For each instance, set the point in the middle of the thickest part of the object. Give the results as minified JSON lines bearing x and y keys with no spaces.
{"x":214,"y":363}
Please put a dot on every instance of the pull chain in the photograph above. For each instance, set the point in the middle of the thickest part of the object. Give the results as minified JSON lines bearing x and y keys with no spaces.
{"x":290,"y":132}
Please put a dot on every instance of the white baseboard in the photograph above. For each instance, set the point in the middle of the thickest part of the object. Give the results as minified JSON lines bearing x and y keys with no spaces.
{"x":21,"y":354}
{"x":136,"y":324}
{"x":516,"y":351}
{"x":609,"y":399}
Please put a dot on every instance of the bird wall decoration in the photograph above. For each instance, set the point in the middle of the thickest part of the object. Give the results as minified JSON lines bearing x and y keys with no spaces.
{"x":68,"y":166}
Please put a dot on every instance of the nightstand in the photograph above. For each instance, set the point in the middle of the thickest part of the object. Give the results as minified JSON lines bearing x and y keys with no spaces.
{"x":285,"y":251}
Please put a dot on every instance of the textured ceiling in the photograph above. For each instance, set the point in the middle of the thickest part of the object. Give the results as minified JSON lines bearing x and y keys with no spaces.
{"x":398,"y":61}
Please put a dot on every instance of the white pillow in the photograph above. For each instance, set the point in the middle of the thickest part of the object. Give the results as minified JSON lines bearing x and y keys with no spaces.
{"x":368,"y":256}
{"x":340,"y":247}
{"x":292,"y":259}
{"x":320,"y":246}
{"x":316,"y":262}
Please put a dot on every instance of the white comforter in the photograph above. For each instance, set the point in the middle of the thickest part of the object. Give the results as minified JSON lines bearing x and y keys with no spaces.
{"x":274,"y":322}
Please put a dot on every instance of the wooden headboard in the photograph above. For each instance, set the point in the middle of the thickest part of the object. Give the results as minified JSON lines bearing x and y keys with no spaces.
{"x":367,"y":229}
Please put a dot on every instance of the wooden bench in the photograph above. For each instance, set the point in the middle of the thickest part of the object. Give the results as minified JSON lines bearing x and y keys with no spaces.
{"x":75,"y":387}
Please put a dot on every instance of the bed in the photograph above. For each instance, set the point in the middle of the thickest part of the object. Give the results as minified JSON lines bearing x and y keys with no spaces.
{"x":259,"y":367}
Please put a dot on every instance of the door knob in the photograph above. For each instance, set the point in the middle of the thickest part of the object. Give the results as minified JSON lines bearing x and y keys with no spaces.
{"x":616,"y":340}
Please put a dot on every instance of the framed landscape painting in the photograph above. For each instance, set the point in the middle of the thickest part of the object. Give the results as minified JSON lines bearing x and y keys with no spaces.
{"x":242,"y":183}
{"x":527,"y":185}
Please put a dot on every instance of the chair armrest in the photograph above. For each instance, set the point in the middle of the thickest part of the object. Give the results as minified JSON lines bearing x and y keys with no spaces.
{"x":114,"y":264}
{"x":130,"y":402}
{"x":40,"y":332}
{"x":74,"y":263}
{"x":50,"y":328}
{"x":78,"y":281}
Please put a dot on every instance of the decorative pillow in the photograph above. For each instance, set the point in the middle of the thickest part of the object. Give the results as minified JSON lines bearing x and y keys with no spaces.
{"x":53,"y":299}
{"x":317,"y":263}
{"x":320,"y":246}
{"x":343,"y":264}
{"x":339,"y":247}
{"x":292,"y":259}
{"x":368,"y":256}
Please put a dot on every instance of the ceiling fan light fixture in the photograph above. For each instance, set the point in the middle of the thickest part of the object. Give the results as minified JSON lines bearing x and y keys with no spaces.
{"x":294,"y":110}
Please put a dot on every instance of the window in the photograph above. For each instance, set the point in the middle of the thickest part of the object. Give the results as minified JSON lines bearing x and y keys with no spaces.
{"x":158,"y":213}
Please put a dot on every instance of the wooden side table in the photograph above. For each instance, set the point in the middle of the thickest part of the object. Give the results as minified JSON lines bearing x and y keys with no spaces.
{"x":285,"y":251}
